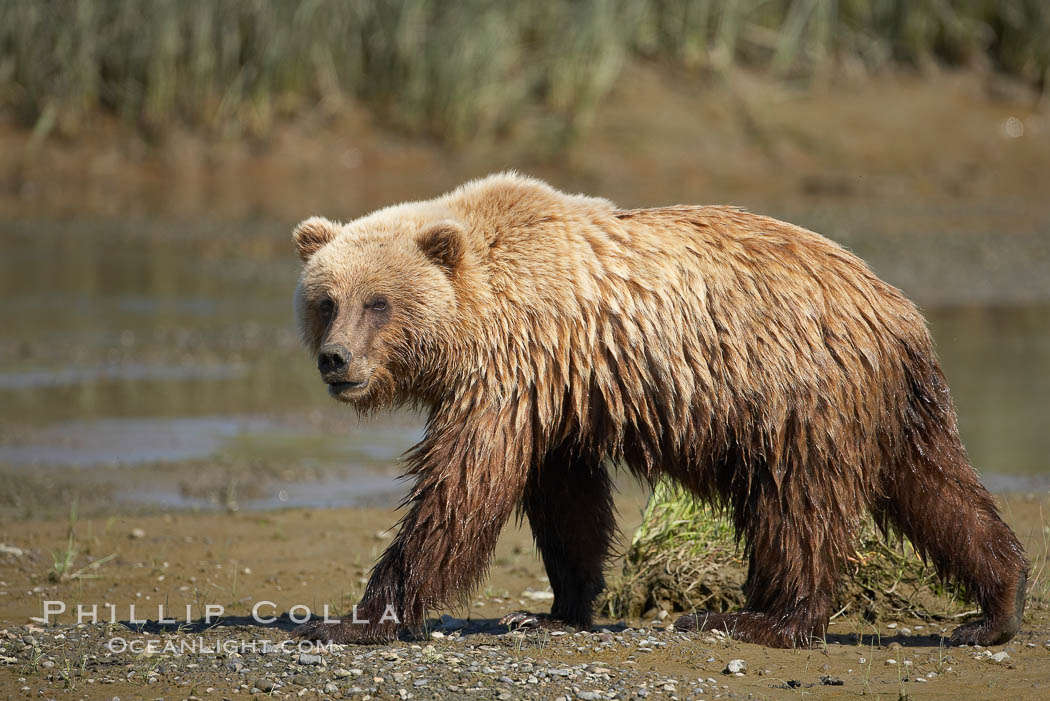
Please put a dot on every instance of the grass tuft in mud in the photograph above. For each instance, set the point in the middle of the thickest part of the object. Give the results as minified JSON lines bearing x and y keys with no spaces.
{"x":685,"y":557}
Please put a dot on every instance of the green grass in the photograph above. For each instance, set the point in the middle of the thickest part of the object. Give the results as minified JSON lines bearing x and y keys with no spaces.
{"x":459,"y":71}
{"x":63,"y":568}
{"x":685,"y":557}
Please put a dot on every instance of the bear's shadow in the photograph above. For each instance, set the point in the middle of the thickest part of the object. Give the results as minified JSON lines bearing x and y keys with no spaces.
{"x":284,"y":624}
{"x":485,"y":626}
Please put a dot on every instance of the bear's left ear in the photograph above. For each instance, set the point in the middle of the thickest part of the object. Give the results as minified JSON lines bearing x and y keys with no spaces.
{"x":313,"y":233}
{"x":443,"y":244}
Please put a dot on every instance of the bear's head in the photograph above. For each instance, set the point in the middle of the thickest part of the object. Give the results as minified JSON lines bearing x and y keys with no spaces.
{"x":376,"y":303}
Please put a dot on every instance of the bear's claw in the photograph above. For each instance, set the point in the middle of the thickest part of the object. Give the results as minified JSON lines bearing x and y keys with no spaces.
{"x":520,"y":620}
{"x":523,"y":620}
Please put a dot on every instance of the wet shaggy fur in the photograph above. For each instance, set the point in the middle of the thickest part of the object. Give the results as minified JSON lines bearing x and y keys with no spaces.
{"x":549,"y":336}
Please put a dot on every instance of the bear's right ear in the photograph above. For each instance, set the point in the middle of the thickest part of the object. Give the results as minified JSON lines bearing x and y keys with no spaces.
{"x":312,"y":234}
{"x":443,"y":244}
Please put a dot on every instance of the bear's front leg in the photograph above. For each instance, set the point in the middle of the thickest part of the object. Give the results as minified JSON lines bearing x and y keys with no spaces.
{"x":468,"y":483}
{"x":379,"y":616}
{"x":568,"y":501}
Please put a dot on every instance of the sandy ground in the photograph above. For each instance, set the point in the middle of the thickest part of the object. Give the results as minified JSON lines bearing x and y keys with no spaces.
{"x":314,"y":558}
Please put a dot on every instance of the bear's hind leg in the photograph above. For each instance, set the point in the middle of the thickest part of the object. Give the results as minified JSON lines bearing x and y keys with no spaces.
{"x":951,"y":518}
{"x":792,"y":576}
{"x":568,"y":501}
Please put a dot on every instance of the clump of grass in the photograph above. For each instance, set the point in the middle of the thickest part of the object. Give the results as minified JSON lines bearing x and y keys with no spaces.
{"x":456,"y":70}
{"x":685,"y":557}
{"x":64,"y":559}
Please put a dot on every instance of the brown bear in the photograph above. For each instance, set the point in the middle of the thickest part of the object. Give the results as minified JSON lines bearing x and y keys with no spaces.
{"x":550,"y":336}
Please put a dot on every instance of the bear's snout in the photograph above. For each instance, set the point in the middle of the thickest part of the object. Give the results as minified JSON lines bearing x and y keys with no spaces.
{"x":332,"y":362}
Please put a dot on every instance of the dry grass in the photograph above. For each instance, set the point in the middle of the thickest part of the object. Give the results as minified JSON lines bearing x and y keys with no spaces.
{"x":685,"y":557}
{"x":456,"y":70}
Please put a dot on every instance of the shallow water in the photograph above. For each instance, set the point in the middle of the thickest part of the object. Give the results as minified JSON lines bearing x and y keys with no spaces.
{"x":155,"y":347}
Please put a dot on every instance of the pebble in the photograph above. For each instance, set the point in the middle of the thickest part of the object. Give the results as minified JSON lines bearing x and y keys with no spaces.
{"x":735,"y":667}
{"x":308,"y":659}
{"x":1001,"y":657}
{"x":537,"y":595}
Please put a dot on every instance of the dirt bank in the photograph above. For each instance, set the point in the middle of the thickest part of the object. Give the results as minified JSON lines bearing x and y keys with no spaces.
{"x":659,"y":138}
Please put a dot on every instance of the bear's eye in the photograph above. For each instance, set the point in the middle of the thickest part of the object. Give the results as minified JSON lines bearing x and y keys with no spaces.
{"x":376,"y":304}
{"x":326,"y":308}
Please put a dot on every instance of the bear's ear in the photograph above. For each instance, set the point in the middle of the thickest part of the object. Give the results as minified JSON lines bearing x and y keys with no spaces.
{"x":443,"y":244}
{"x":310,"y":235}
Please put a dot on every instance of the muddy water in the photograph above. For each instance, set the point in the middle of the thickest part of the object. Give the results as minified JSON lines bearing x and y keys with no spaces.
{"x":154,"y":363}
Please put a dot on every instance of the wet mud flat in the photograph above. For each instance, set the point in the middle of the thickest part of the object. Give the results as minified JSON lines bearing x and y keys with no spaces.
{"x":279,"y":560}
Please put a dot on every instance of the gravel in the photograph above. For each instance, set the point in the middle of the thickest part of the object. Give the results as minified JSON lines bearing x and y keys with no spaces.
{"x":233,"y":660}
{"x":477,"y":660}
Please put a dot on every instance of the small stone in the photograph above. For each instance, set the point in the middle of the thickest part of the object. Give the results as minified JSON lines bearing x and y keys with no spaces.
{"x":1001,"y":657}
{"x":537,"y":595}
{"x":308,"y":659}
{"x":330,"y":688}
{"x":341,"y":673}
{"x":137,"y":534}
{"x":6,"y":549}
{"x":589,"y":695}
{"x":264,"y":685}
{"x":735,"y":667}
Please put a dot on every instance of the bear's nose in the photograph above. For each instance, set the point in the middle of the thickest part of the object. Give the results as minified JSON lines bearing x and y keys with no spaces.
{"x":332,"y":359}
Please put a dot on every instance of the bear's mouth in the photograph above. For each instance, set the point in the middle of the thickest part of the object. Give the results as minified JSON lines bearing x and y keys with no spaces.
{"x":345,"y":389}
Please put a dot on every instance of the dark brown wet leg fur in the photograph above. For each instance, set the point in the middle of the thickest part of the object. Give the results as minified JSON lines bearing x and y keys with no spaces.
{"x":930,"y":493}
{"x":793,"y":573}
{"x":951,"y":519}
{"x":568,"y":502}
